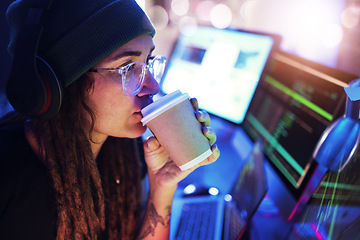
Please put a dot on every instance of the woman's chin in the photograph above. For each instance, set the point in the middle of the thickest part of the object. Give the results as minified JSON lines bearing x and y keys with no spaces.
{"x":138,"y":131}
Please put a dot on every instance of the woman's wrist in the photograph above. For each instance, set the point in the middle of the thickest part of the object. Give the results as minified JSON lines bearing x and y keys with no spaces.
{"x":156,"y":223}
{"x":161,"y":194}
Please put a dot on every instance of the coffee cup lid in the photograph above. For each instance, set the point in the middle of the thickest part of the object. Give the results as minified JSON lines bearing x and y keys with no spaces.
{"x":161,"y":105}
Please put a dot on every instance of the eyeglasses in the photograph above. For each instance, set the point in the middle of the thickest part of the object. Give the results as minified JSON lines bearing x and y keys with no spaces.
{"x":133,"y":74}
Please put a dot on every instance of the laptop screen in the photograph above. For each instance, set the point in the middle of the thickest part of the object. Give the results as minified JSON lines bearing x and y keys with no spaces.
{"x":251,"y":185}
{"x":219,"y":67}
{"x":247,"y":193}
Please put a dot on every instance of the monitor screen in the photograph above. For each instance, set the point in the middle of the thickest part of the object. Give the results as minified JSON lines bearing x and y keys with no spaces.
{"x":219,"y":67}
{"x":295,"y":101}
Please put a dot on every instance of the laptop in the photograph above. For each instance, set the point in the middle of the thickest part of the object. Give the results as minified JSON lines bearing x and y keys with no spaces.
{"x":223,"y":216}
{"x":219,"y":67}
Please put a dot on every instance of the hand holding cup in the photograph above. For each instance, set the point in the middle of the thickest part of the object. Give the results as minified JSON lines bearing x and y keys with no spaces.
{"x":183,"y":135}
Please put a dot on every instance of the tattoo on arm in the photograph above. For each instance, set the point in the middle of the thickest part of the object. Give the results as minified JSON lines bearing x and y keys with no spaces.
{"x":167,"y":217}
{"x":152,"y":220}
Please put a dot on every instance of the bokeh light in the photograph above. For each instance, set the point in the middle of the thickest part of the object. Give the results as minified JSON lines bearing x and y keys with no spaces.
{"x":228,"y":197}
{"x":213,"y":191}
{"x":248,"y":8}
{"x":180,"y":7}
{"x":221,"y":16}
{"x":350,"y":17}
{"x":158,"y":17}
{"x":203,"y":10}
{"x":189,"y":189}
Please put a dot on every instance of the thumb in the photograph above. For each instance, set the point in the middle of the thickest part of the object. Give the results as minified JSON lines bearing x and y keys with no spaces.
{"x":155,"y":155}
{"x":151,"y":144}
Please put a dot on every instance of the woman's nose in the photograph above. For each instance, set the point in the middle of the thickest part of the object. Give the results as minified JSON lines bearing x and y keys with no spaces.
{"x":150,"y":87}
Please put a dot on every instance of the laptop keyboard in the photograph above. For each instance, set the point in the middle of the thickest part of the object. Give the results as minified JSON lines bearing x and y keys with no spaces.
{"x":197,"y":221}
{"x":237,"y":223}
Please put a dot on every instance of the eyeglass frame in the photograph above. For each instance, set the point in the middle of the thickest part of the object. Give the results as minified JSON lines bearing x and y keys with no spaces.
{"x":122,"y":71}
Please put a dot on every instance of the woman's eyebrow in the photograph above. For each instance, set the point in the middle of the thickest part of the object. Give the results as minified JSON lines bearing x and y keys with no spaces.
{"x":124,"y":54}
{"x":128,"y":54}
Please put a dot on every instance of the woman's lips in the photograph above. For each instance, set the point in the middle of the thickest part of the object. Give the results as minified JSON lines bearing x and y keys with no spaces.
{"x":142,"y":105}
{"x":138,"y":113}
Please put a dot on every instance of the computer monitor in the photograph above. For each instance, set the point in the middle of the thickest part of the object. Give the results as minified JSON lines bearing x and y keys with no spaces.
{"x":220,"y":67}
{"x":295,"y":101}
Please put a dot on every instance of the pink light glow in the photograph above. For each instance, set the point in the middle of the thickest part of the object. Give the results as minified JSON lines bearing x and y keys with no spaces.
{"x":318,"y":235}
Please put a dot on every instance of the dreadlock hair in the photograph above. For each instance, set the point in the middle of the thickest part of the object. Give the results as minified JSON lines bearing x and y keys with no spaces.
{"x":95,"y":198}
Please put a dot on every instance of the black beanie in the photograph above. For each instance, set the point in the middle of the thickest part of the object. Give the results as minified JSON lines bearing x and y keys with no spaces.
{"x":78,"y":34}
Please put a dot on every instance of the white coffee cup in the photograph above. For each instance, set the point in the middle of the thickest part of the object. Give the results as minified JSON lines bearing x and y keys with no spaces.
{"x":172,"y":120}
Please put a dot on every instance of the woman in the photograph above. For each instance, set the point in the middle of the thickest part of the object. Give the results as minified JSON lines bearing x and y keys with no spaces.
{"x":80,"y":174}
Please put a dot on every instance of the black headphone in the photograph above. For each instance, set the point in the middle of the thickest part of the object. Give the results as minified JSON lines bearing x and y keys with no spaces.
{"x":33,"y":88}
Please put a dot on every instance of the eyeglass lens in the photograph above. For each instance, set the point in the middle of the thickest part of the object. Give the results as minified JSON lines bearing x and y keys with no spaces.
{"x":157,"y":68}
{"x":133,"y":79}
{"x":135,"y":74}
